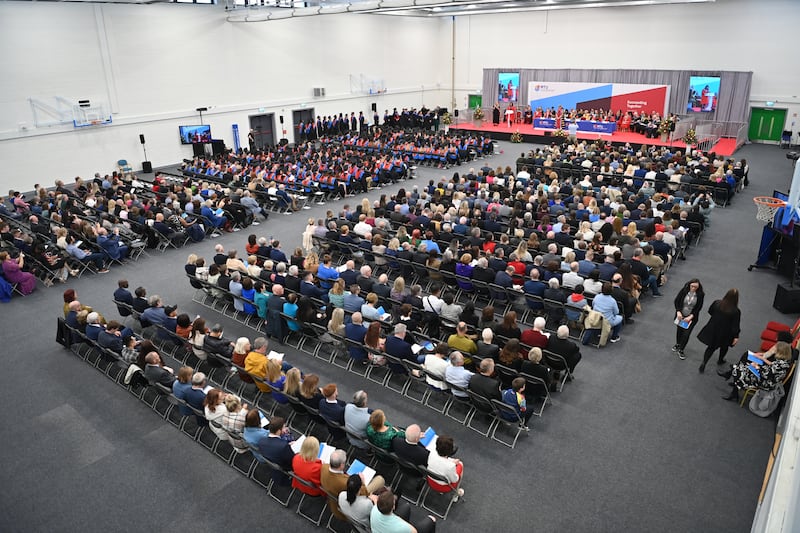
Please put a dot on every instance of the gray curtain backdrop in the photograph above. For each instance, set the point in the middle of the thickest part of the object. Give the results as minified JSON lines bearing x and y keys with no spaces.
{"x":732,"y":105}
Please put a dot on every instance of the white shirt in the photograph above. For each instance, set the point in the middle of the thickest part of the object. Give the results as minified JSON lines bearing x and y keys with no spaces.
{"x":444,"y":466}
{"x":432,"y":303}
{"x":219,"y":412}
{"x":437,"y":366}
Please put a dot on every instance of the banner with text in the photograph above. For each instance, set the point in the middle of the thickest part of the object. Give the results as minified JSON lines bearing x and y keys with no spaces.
{"x":607,"y":96}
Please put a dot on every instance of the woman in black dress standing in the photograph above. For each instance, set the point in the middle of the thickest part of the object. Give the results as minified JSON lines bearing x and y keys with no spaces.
{"x":688,"y":304}
{"x":722,"y":330}
{"x":496,"y":114}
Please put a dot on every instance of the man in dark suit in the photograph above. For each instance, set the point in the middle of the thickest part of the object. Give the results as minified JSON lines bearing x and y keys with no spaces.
{"x":140,"y":303}
{"x":398,"y":347}
{"x":111,"y":337}
{"x":483,"y":383}
{"x":276,"y":254}
{"x":561,"y":344}
{"x":534,"y":287}
{"x":307,"y":288}
{"x":349,"y":274}
{"x":331,"y":408}
{"x":409,"y":447}
{"x":155,"y":373}
{"x":123,"y":296}
{"x":355,"y":331}
{"x":381,"y":287}
{"x":607,"y":269}
{"x":277,"y":450}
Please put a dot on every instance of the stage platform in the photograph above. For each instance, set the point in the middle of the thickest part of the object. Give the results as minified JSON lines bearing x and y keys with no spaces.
{"x":725,"y":146}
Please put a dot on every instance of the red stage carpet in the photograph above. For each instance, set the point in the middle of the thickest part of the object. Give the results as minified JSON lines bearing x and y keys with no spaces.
{"x":725,"y":146}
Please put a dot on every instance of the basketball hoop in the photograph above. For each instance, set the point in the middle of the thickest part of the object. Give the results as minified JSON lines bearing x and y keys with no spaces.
{"x":767,"y":207}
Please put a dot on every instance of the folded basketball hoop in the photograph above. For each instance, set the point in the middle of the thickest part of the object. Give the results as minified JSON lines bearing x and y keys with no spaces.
{"x":767,"y":207}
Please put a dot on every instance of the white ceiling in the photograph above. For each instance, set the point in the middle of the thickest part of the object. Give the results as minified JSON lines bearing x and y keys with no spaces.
{"x":280,"y":9}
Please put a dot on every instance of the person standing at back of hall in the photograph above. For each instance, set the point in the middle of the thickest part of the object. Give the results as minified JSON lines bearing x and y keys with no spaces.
{"x":722,"y":330}
{"x":688,"y":304}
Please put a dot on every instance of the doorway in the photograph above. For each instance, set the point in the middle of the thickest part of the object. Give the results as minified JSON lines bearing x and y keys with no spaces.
{"x":766,"y":124}
{"x":298,"y":116}
{"x":263,"y":127}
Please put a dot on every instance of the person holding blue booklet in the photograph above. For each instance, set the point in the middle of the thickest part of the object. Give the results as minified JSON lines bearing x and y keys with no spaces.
{"x":688,"y":304}
{"x":764,"y":371}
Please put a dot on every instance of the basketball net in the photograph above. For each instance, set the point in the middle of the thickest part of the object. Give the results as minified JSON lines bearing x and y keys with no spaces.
{"x":767,"y":207}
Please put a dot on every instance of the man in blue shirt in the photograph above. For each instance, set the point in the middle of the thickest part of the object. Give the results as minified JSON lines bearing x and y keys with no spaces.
{"x":606,"y":305}
{"x":326,"y":273}
{"x":352,"y":301}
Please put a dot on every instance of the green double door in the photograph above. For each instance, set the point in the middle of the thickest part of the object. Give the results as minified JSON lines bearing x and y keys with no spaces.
{"x":766,"y":123}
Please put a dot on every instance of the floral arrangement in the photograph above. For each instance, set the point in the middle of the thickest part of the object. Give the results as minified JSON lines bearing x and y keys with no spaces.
{"x":478,"y":114}
{"x":446,"y":119}
{"x":690,"y":138}
{"x":560,"y":133}
{"x":516,"y":137}
{"x":665,"y":126}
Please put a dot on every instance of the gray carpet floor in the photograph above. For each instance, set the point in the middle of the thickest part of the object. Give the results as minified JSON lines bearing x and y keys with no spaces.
{"x":638,"y":442}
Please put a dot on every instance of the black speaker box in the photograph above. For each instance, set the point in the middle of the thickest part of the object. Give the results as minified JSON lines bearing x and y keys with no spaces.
{"x":787,"y":299}
{"x":281,"y":119}
{"x":147,"y":167}
{"x":374,"y":107}
{"x":141,"y":138}
{"x":456,"y":112}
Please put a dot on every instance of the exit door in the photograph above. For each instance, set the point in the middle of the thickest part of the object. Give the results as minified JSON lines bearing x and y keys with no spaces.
{"x":766,"y":124}
{"x":262,"y":128}
{"x":298,"y":116}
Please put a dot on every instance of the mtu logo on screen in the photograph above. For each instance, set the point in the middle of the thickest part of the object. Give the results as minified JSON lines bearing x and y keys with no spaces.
{"x":538,"y":88}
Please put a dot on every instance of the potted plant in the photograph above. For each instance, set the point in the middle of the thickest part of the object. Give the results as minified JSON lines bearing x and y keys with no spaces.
{"x":478,"y":115}
{"x":664,"y":128}
{"x":446,"y":120}
{"x":516,"y":137}
{"x":690,"y":138}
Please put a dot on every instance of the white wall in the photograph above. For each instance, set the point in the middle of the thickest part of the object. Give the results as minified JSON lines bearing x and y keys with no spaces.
{"x":726,"y":35}
{"x":156,"y":64}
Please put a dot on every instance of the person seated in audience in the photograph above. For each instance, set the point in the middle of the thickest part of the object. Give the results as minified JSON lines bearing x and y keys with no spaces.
{"x":196,"y":395}
{"x":12,"y":270}
{"x":483,"y":383}
{"x":308,"y":467}
{"x":533,"y":367}
{"x":486,"y":346}
{"x":155,"y":314}
{"x":123,"y":298}
{"x":310,"y":392}
{"x":355,"y":331}
{"x":155,"y":372}
{"x":456,"y":374}
{"x":381,"y":287}
{"x":370,"y":308}
{"x":111,"y":338}
{"x":511,"y":356}
{"x":773,"y":367}
{"x":606,"y":305}
{"x":111,"y":244}
{"x":215,"y":410}
{"x":356,"y":419}
{"x":435,"y":365}
{"x":277,"y":449}
{"x":352,"y":301}
{"x":397,"y":345}
{"x":536,"y":336}
{"x":408,"y":447}
{"x":140,"y":302}
{"x":276,"y":379}
{"x":561,"y":344}
{"x":331,"y":408}
{"x":508,"y":328}
{"x":451,"y":311}
{"x":355,"y":503}
{"x":389,"y":514}
{"x":276,"y":326}
{"x":181,"y":386}
{"x":333,"y":479}
{"x":85,"y":256}
{"x":461,"y":340}
{"x":93,"y":326}
{"x":380,"y":432}
{"x":515,"y":397}
{"x":573,"y":307}
{"x":442,"y":462}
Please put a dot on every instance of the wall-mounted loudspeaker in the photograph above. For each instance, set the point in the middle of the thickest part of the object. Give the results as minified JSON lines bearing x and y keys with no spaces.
{"x":281,"y":119}
{"x":374,"y":107}
{"x":456,"y":112}
{"x":141,"y":138}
